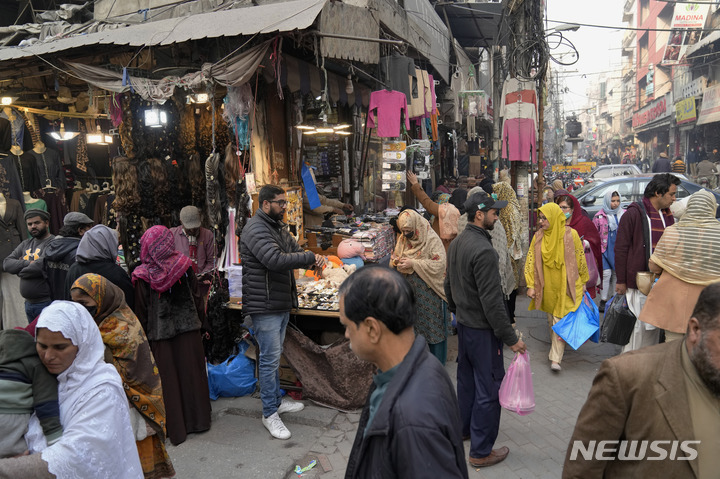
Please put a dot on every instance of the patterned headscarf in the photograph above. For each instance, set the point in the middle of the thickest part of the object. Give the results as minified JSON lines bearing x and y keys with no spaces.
{"x":162,"y":265}
{"x":510,"y":215}
{"x":103,"y":292}
{"x":425,"y":249}
{"x":690,"y":249}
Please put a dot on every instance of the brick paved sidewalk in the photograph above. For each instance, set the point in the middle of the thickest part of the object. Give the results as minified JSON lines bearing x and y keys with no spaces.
{"x":537,"y":442}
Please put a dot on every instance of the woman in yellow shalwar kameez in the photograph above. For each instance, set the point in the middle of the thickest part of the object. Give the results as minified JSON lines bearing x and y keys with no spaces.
{"x":555,"y":272}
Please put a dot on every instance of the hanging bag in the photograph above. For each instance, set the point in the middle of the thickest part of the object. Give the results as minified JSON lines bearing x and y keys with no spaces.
{"x":618,"y":322}
{"x":578,"y":326}
{"x":516,"y":391}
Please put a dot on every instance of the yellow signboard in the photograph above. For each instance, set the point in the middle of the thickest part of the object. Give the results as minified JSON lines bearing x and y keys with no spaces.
{"x":685,"y":111}
{"x":585,"y":167}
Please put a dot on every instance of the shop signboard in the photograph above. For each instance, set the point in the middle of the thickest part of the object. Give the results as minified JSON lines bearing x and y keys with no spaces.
{"x":685,"y":111}
{"x":710,"y":110}
{"x":685,"y":29}
{"x":657,"y":110}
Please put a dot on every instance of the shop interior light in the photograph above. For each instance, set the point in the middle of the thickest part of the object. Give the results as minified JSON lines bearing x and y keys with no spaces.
{"x":344,"y":133}
{"x":98,"y":138}
{"x":63,"y":135}
{"x":198,"y":98}
{"x":7,"y":100}
{"x":324,"y":130}
{"x":155,"y":118}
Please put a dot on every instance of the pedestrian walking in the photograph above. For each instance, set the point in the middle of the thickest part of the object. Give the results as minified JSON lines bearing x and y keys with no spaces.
{"x":555,"y":272}
{"x":474,"y":294}
{"x":678,"y":166}
{"x":662,"y":164}
{"x":607,"y":221}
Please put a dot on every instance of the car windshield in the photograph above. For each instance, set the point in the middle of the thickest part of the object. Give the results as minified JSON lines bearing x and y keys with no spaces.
{"x":579,"y":192}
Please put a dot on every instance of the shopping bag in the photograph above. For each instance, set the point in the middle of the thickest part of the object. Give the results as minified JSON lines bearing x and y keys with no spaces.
{"x":592,"y":268}
{"x":618,"y":322}
{"x":516,"y":390}
{"x":578,"y":326}
{"x":234,"y":377}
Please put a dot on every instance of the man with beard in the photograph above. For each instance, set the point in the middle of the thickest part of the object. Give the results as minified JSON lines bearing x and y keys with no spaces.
{"x":474,"y":294}
{"x":33,"y":286}
{"x":269,"y":255}
{"x":669,"y":393}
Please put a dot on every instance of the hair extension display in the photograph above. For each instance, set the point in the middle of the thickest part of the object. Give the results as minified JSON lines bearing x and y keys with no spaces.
{"x":213,"y":190}
{"x":131,"y":230}
{"x":125,"y":128}
{"x":187,"y":133}
{"x":161,"y":187}
{"x":125,"y":179}
{"x":232,"y":172}
{"x":147,"y":190}
{"x":242,"y":212}
{"x":225,"y":331}
{"x":196,"y":176}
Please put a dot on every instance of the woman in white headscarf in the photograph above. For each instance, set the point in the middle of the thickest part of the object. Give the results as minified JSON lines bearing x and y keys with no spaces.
{"x":97,"y":439}
{"x":606,"y":221}
{"x":687,"y":257}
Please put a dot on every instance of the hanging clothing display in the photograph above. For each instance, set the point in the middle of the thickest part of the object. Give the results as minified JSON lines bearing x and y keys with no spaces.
{"x":17,"y":124}
{"x":56,"y":206}
{"x":397,"y":72}
{"x":49,"y":167}
{"x":420,"y":93}
{"x":27,"y":167}
{"x":518,"y":107}
{"x":12,"y":232}
{"x":10,"y":184}
{"x":388,"y":107}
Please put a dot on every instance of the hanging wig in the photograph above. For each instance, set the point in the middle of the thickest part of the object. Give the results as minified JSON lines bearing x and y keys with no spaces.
{"x":187,"y":131}
{"x":125,"y":179}
{"x":196,"y":175}
{"x":161,"y":186}
{"x":147,"y":190}
{"x":232,"y":172}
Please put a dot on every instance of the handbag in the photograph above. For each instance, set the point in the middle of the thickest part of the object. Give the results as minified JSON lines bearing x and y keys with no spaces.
{"x":592,"y":268}
{"x":618,"y":322}
{"x":516,"y":391}
{"x":578,"y":326}
{"x":645,"y":281}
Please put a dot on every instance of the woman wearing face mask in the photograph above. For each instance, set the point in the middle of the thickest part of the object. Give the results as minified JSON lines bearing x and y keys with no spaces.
{"x":578,"y":220}
{"x":97,"y":438}
{"x":420,"y":256}
{"x":555,"y":272}
{"x":606,"y":221}
{"x":124,"y":337}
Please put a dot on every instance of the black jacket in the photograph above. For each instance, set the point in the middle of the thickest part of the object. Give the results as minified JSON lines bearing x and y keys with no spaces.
{"x":416,"y":431}
{"x":472,"y":284}
{"x":269,"y":255}
{"x":59,"y":256}
{"x":662,"y":165}
{"x":109,"y":270}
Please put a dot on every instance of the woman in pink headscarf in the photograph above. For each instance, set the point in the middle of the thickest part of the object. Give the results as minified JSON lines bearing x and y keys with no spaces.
{"x":170,"y":309}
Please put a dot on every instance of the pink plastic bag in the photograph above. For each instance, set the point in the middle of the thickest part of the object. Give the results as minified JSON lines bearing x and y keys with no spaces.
{"x":516,"y":390}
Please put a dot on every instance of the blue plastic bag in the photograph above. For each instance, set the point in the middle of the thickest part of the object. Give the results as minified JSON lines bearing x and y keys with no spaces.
{"x":578,"y":326}
{"x":232,"y":378}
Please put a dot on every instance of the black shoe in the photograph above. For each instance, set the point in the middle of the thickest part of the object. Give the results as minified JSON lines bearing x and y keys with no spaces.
{"x":601,"y":308}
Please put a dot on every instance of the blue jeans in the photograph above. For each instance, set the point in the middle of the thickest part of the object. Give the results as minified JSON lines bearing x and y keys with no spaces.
{"x":270,"y":335}
{"x":33,"y":310}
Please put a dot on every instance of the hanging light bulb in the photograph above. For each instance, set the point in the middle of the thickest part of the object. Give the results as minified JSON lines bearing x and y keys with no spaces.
{"x":349,"y":85}
{"x":62,"y":134}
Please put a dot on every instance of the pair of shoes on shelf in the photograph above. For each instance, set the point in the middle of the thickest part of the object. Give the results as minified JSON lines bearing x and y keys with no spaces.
{"x":496,"y":455}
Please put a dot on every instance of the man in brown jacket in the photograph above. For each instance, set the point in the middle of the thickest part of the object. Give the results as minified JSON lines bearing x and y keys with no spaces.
{"x":655,"y":412}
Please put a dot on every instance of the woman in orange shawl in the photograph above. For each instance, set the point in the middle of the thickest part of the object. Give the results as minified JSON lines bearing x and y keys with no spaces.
{"x":125,"y":340}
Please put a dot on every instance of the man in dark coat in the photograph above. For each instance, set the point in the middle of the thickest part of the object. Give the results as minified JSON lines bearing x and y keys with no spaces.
{"x":662,"y":164}
{"x":410,"y":426}
{"x":60,"y":252}
{"x":269,"y":255}
{"x":658,"y":405}
{"x":474,"y":294}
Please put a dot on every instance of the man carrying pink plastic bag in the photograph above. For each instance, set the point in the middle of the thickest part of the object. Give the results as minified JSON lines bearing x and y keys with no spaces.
{"x":516,"y":390}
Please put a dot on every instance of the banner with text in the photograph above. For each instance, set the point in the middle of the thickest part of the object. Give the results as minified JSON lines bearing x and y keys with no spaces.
{"x":687,"y":23}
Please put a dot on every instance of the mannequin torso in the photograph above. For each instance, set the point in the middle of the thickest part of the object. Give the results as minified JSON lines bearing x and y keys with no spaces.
{"x":39,"y":147}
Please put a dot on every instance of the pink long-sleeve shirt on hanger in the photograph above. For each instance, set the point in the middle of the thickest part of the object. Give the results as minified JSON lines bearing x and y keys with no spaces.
{"x":388,"y":105}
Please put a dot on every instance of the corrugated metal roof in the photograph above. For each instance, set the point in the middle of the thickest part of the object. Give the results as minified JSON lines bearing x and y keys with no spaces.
{"x":274,"y":17}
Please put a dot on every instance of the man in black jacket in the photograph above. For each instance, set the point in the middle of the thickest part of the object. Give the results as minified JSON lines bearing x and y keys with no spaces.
{"x":269,"y":255}
{"x":60,"y":252}
{"x":474,"y":294}
{"x":410,"y":426}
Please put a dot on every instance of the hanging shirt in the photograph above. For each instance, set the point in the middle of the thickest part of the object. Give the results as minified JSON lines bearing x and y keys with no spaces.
{"x":388,"y":106}
{"x":397,"y":72}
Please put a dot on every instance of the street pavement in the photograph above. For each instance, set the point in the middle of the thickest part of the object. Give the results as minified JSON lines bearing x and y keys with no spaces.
{"x":238,"y":446}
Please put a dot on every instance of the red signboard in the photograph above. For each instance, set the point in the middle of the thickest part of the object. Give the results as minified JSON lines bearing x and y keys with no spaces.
{"x":656,"y":110}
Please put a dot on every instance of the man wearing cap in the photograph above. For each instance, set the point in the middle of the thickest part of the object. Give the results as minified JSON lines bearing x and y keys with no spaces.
{"x":194,"y":241}
{"x":33,"y":286}
{"x":662,"y":164}
{"x":60,"y":253}
{"x":474,"y":294}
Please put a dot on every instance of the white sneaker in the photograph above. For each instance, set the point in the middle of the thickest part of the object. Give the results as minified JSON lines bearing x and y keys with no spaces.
{"x":276,"y":427}
{"x":288,"y":405}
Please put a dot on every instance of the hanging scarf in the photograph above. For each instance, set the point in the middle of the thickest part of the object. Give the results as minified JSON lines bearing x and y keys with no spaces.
{"x":553,"y":253}
{"x":162,"y":265}
{"x":657,"y":227}
{"x":690,"y":249}
{"x":610,"y":212}
{"x":510,"y":218}
{"x":425,"y":249}
{"x":122,"y":333}
{"x":442,"y":199}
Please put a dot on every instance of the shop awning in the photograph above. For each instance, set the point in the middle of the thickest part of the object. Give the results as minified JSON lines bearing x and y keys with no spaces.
{"x":713,"y":37}
{"x":269,"y":18}
{"x":473,"y":24}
